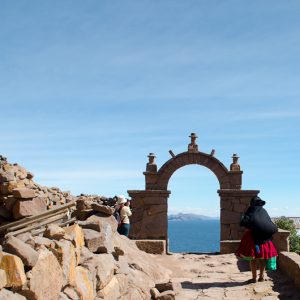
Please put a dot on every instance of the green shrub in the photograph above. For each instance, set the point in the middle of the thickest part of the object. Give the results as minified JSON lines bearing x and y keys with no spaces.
{"x":287,"y":224}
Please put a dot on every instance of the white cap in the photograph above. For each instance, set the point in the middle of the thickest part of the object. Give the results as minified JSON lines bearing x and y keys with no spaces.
{"x":121,"y":199}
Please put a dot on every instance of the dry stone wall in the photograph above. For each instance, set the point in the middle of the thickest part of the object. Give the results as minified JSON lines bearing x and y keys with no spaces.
{"x":21,"y":197}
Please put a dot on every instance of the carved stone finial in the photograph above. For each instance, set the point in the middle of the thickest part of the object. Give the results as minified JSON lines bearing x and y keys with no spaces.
{"x":235,"y":166}
{"x":193,"y":147}
{"x":151,"y":165}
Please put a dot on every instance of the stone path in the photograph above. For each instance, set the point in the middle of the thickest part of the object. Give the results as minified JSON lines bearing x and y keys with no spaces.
{"x":223,"y":277}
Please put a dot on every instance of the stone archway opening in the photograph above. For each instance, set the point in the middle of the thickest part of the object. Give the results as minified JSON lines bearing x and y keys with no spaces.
{"x":193,"y":211}
{"x":150,"y":206}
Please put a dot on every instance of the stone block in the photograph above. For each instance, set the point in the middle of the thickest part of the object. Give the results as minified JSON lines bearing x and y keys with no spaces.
{"x":54,"y":232}
{"x":65,"y":254}
{"x":289,"y":263}
{"x":83,"y":204}
{"x":98,"y":242}
{"x":46,"y":278}
{"x":14,"y":269}
{"x":29,"y":208}
{"x":17,"y":247}
{"x":229,"y":246}
{"x":229,"y":217}
{"x":152,"y":246}
{"x":111,"y":291}
{"x":281,"y":240}
{"x":156,"y":209}
{"x":101,"y":268}
{"x":6,"y":176}
{"x":23,"y":193}
{"x":96,"y":221}
{"x":103,"y":209}
{"x":154,"y":227}
{"x":84,"y":284}
{"x":76,"y":235}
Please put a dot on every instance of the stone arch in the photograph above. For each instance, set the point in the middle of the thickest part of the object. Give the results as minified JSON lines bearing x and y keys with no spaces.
{"x":213,"y":164}
{"x":150,"y":206}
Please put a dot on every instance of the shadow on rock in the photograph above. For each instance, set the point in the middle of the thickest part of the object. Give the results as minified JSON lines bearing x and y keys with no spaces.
{"x":202,"y":286}
{"x":284,"y":286}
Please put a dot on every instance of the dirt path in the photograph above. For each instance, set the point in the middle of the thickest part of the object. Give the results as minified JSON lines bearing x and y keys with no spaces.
{"x":219,"y":277}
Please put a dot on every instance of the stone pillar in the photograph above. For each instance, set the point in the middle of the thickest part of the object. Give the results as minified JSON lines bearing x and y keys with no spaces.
{"x":151,"y":172}
{"x":149,"y":214}
{"x":233,"y":203}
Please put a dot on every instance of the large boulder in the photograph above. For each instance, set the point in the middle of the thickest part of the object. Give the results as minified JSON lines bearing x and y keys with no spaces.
{"x":14,"y":269}
{"x":101,"y":267}
{"x":75,"y":234}
{"x":65,"y":253}
{"x":6,"y":176}
{"x":142,"y":275}
{"x":15,"y":246}
{"x":103,"y":209}
{"x":46,"y":278}
{"x":23,"y":193}
{"x":96,"y":221}
{"x":99,"y":242}
{"x":29,"y":208}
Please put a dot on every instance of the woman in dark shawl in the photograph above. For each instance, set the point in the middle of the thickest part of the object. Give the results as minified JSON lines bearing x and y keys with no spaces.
{"x":256,"y":244}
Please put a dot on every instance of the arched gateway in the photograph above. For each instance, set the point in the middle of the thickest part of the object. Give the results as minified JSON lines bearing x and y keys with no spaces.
{"x":149,"y":220}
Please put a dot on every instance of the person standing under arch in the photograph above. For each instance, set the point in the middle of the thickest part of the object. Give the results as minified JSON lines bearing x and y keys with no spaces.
{"x":256,"y":245}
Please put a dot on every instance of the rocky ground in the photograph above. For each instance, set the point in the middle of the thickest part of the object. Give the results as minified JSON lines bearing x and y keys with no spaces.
{"x":223,"y":277}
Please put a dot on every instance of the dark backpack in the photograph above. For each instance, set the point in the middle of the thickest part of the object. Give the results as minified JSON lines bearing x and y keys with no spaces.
{"x":117,"y":215}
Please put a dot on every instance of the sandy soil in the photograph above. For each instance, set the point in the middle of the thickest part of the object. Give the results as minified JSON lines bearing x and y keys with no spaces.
{"x":224,"y":277}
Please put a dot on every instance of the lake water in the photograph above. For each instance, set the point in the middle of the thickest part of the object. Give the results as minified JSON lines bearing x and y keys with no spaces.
{"x":196,"y":236}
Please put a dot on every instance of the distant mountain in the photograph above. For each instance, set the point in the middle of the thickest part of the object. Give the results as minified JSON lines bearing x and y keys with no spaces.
{"x":189,"y":217}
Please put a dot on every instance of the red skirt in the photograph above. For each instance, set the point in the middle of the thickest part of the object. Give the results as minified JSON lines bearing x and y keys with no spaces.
{"x":247,"y":248}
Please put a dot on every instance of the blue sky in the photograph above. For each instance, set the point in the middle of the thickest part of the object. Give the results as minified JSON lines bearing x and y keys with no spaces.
{"x":88,"y":89}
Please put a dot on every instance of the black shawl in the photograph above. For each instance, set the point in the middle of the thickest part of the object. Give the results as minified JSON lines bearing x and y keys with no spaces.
{"x":258,"y":221}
